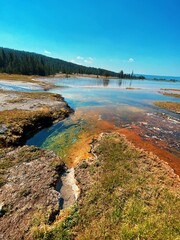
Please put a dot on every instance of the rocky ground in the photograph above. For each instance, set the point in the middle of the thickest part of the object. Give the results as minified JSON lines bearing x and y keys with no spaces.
{"x":29,"y":176}
{"x":30,"y":101}
{"x":28,"y":189}
{"x":22,"y":113}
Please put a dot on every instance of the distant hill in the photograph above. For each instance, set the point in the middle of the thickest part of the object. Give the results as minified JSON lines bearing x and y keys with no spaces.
{"x":21,"y":62}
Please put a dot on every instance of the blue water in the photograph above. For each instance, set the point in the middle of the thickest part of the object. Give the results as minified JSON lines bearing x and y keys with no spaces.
{"x":22,"y":87}
{"x":159,"y":77}
{"x":86,"y":92}
{"x":113,"y":83}
{"x":108,"y":98}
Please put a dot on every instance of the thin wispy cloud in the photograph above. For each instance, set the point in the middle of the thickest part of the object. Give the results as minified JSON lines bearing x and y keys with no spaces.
{"x":91,"y":59}
{"x":82,"y":60}
{"x":47,"y":52}
{"x":79,"y":58}
{"x":131,"y":60}
{"x":88,"y":61}
{"x":74,"y":61}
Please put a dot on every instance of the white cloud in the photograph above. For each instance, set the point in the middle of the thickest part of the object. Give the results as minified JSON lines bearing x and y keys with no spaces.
{"x":79,"y":58}
{"x":74,"y":61}
{"x":91,"y":59}
{"x":82,"y":60}
{"x":47,"y":52}
{"x":130,"y":60}
{"x":88,"y":61}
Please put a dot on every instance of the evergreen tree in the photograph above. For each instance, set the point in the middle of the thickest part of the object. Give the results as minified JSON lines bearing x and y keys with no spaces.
{"x":20,"y":62}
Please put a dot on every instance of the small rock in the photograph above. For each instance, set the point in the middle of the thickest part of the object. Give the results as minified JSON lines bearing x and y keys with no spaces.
{"x":3,"y":129}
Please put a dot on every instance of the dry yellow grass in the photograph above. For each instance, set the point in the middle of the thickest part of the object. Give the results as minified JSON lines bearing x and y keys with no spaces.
{"x":18,"y":77}
{"x":176,"y":95}
{"x":171,"y":106}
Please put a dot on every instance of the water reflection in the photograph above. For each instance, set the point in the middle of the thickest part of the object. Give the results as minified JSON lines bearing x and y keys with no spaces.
{"x":120,"y":82}
{"x":100,"y":105}
{"x":111,"y":83}
{"x":130,"y":83}
{"x":105,"y":82}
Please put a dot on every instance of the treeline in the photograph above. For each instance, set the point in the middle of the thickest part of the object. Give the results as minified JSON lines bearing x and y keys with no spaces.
{"x":123,"y":75}
{"x":21,"y":62}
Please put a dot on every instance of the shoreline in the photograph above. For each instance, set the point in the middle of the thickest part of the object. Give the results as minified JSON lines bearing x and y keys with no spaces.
{"x":39,"y":83}
{"x":35,"y":78}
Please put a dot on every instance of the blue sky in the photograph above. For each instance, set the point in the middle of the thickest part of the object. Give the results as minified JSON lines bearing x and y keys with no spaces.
{"x":138,"y":35}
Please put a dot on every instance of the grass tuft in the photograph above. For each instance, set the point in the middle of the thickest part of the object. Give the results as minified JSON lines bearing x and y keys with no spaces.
{"x":171,"y":106}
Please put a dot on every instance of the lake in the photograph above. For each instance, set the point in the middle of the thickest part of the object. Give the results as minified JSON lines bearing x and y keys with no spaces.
{"x":108,"y":105}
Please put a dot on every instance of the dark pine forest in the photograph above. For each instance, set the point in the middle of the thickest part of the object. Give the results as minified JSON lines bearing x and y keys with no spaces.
{"x":21,"y":62}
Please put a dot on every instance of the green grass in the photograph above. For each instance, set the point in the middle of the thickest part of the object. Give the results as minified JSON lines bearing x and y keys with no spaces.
{"x":130,"y":198}
{"x":126,"y":194}
{"x":61,"y":230}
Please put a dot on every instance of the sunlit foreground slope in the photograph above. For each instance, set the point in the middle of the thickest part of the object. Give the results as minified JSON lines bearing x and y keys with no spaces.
{"x":126,"y":193}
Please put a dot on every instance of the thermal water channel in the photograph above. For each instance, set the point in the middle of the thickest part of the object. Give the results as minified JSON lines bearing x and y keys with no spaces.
{"x":118,"y":102}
